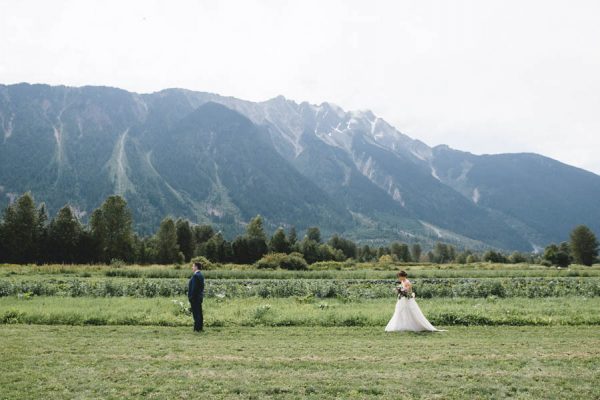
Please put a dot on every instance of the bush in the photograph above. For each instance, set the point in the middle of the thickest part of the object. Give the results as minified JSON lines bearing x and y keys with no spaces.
{"x":283,"y":261}
{"x":206,"y":264}
{"x":116,"y":263}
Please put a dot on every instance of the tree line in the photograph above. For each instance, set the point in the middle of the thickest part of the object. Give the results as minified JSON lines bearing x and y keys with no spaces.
{"x":28,"y":236}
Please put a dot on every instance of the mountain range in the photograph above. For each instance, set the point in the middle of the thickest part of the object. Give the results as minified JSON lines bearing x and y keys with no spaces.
{"x":221,"y":160}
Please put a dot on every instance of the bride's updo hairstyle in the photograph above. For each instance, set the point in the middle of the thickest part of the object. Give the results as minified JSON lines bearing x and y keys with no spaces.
{"x":402,"y":274}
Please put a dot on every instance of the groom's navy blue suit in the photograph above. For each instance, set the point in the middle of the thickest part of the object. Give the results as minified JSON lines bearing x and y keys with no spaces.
{"x":196,"y":295}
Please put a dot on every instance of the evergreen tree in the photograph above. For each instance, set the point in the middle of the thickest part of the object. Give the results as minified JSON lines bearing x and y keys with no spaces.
{"x":255,"y":229}
{"x":111,"y":226}
{"x":64,"y":235}
{"x":310,"y":250}
{"x":441,"y":253}
{"x":218,"y":249}
{"x":557,"y":255}
{"x":20,"y":230}
{"x":202,"y":233}
{"x":347,"y":247}
{"x":241,"y":250}
{"x":3,"y":255}
{"x":517,"y":258}
{"x":166,"y":238}
{"x":313,"y":233}
{"x":431,"y":257}
{"x":400,"y":251}
{"x":494,"y":257}
{"x":185,"y":238}
{"x":382,"y":251}
{"x":142,"y":255}
{"x":461,"y":258}
{"x":256,"y":240}
{"x":86,"y":248}
{"x":366,"y":254}
{"x":328,"y":253}
{"x":279,"y":243}
{"x":472,"y":258}
{"x":415,"y":252}
{"x":292,"y":236}
{"x":584,"y":245}
{"x":42,"y":239}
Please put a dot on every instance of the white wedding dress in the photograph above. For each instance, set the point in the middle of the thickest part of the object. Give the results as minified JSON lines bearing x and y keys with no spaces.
{"x":408,"y":317}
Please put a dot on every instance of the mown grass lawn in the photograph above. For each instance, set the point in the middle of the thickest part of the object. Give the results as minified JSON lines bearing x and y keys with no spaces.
{"x":57,"y":362}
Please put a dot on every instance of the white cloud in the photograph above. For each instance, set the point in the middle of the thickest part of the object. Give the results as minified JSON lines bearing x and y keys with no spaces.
{"x":482,"y":76}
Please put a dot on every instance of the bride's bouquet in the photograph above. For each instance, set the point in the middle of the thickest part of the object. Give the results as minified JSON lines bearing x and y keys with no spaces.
{"x":403,"y":292}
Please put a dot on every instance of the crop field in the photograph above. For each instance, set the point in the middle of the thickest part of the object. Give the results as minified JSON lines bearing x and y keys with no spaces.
{"x":104,"y":332}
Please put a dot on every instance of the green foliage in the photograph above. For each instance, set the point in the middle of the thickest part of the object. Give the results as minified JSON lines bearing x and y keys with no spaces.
{"x":415,"y":252}
{"x":292,"y":261}
{"x":206,"y":263}
{"x":313,"y":233}
{"x":22,"y":230}
{"x":347,"y":247}
{"x":64,"y":237}
{"x":293,"y":236}
{"x":112,"y":230}
{"x":366,"y":254}
{"x":517,"y":257}
{"x":339,"y":288}
{"x":443,"y":253}
{"x":255,"y":230}
{"x":111,"y":237}
{"x":400,"y":251}
{"x":494,"y":257}
{"x":185,"y":238}
{"x":217,"y":249}
{"x":166,"y":241}
{"x":558,"y":255}
{"x":279,"y":243}
{"x":583,"y":245}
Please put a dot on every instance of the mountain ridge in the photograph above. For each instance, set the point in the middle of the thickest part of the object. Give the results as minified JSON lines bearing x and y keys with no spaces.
{"x":351,"y":172}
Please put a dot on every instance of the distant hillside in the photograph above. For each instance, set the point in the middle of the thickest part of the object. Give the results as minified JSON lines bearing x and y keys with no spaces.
{"x":221,"y":160}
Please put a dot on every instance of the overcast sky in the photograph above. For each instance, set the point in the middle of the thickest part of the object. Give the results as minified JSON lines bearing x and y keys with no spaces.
{"x":481,"y":76}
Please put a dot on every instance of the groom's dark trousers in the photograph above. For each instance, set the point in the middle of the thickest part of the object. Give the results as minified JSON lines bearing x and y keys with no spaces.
{"x":198,"y":317}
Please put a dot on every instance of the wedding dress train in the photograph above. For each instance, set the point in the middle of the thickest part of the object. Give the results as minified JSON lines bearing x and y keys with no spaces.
{"x":408,"y":317}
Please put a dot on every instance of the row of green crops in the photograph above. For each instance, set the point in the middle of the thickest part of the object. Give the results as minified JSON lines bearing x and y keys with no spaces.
{"x":351,"y":289}
{"x":369,"y":271}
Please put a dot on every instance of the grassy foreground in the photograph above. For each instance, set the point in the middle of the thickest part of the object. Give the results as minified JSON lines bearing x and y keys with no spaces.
{"x":56,"y":362}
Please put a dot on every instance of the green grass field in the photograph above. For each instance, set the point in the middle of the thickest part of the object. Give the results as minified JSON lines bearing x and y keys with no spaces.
{"x":58,"y":362}
{"x":297,"y":311}
{"x":99,"y":332}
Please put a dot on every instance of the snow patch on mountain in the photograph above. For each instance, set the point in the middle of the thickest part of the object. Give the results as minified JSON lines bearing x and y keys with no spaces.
{"x":118,"y":166}
{"x":434,"y":172}
{"x":476,"y":196}
{"x":437,"y":231}
{"x":7,"y":126}
{"x":366,"y":167}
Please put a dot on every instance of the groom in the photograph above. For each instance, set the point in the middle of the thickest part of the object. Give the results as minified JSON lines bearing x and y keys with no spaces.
{"x":196,"y":295}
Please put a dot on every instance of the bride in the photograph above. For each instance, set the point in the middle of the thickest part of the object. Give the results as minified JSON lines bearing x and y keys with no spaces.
{"x":408,"y":315}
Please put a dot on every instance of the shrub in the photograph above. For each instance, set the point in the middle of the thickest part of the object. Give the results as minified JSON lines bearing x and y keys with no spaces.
{"x":283,"y":261}
{"x":206,"y":264}
{"x":116,"y":263}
